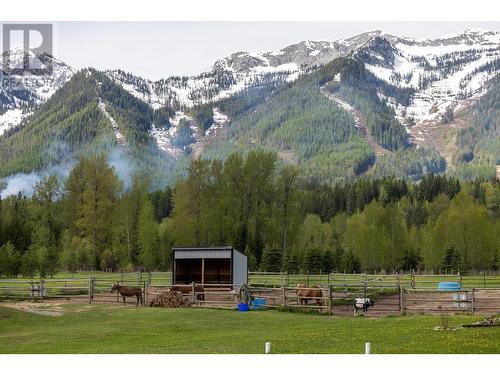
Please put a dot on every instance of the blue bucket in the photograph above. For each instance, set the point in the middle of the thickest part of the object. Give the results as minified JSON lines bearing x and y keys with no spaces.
{"x":449,"y":286}
{"x":243,"y":307}
{"x":259,"y":303}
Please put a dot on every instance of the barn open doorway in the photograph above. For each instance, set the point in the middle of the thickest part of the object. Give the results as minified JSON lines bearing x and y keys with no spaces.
{"x":187,"y":271}
{"x":203,"y":271}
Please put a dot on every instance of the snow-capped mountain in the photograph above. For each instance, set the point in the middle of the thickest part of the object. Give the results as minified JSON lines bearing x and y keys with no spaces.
{"x":239,"y":71}
{"x":341,"y":108}
{"x":445,"y":75}
{"x":21,"y":92}
{"x":441,"y":71}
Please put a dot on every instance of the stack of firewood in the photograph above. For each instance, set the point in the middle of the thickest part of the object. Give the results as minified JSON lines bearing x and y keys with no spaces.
{"x":169,"y":298}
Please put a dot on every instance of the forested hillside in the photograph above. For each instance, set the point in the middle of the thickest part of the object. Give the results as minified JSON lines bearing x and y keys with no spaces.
{"x":89,"y":115}
{"x":480,"y":141}
{"x":89,"y":221}
{"x":306,"y":128}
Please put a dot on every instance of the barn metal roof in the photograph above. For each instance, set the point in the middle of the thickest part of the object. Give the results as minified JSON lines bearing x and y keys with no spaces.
{"x":203,"y":248}
{"x":204,"y":252}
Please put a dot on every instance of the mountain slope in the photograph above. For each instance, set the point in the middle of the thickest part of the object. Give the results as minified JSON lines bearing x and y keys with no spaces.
{"x":305,"y":126}
{"x":17,"y":100}
{"x":371,"y":105}
{"x":90,"y":114}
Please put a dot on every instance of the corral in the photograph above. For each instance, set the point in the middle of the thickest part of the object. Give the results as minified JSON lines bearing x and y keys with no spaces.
{"x":392,"y":294}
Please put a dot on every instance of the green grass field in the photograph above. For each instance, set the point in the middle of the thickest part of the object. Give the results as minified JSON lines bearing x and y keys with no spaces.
{"x":115,"y":329}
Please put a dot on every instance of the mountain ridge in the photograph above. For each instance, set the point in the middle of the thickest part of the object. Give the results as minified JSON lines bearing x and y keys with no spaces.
{"x":418,"y":88}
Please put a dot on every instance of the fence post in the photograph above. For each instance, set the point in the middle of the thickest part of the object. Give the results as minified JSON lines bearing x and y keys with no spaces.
{"x":472,"y":302}
{"x":194,"y":292}
{"x":118,"y":294}
{"x":368,"y":348}
{"x":412,"y":279}
{"x":284,"y":296}
{"x":402,"y":300}
{"x":41,"y":289}
{"x":139,"y":277}
{"x":330,"y":302}
{"x":145,"y":294}
{"x":90,"y":289}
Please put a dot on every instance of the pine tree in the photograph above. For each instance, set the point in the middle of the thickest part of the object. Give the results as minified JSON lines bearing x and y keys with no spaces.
{"x":47,"y":192}
{"x":93,"y":188}
{"x":271,"y":260}
{"x":148,"y":236}
{"x":9,"y":260}
{"x":313,"y":260}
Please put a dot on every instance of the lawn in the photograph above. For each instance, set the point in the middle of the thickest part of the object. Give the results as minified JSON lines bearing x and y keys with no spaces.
{"x":115,"y":329}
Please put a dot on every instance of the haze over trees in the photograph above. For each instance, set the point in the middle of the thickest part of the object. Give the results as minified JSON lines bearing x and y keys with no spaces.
{"x":257,"y":205}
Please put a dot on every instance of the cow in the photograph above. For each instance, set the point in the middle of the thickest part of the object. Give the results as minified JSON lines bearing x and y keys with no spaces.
{"x":128,"y":291}
{"x":362,"y":304}
{"x":309,"y":293}
{"x":188,"y":289}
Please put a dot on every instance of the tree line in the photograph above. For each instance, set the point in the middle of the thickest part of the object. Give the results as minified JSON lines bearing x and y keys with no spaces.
{"x":260,"y":207}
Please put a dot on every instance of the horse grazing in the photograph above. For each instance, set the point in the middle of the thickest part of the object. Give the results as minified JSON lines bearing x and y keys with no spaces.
{"x":128,"y":291}
{"x":187,"y":289}
{"x":307,"y":293}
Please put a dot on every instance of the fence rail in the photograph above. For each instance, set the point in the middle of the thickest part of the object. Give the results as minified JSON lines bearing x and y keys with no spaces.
{"x":392,"y":294}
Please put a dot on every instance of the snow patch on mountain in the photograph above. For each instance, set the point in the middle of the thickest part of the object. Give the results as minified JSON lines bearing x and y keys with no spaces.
{"x":120,"y":138}
{"x":165,"y":137}
{"x":443,"y":72}
{"x":219,"y":121}
{"x":22,"y":91}
{"x":10,"y":119}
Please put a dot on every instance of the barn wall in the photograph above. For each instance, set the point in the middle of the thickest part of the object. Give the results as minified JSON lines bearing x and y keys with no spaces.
{"x":240,"y":269}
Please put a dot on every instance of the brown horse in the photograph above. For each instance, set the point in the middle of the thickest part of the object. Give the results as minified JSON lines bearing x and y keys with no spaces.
{"x":306,"y":294}
{"x":128,"y":291}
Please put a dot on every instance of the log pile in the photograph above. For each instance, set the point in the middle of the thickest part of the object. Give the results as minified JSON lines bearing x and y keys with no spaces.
{"x":169,"y":298}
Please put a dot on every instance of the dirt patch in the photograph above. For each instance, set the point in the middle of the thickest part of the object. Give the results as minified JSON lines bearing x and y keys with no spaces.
{"x":49,"y":308}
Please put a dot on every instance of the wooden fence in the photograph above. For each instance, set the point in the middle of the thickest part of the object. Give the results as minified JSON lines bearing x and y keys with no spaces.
{"x":408,"y":280}
{"x":392,"y":294}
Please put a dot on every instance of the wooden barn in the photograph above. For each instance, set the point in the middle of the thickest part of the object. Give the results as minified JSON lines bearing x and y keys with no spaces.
{"x":209,"y":265}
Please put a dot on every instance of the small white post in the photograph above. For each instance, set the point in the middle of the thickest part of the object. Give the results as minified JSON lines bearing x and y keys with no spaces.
{"x":368,"y":347}
{"x":268,"y":348}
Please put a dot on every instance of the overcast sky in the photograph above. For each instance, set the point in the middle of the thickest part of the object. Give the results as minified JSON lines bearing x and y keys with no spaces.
{"x":160,"y":49}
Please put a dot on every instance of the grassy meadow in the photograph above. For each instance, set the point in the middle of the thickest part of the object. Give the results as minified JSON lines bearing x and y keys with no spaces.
{"x":80,"y":328}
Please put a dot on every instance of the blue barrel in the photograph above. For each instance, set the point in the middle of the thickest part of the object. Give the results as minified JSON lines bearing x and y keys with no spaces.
{"x":449,"y":286}
{"x":259,"y":303}
{"x":243,"y":307}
